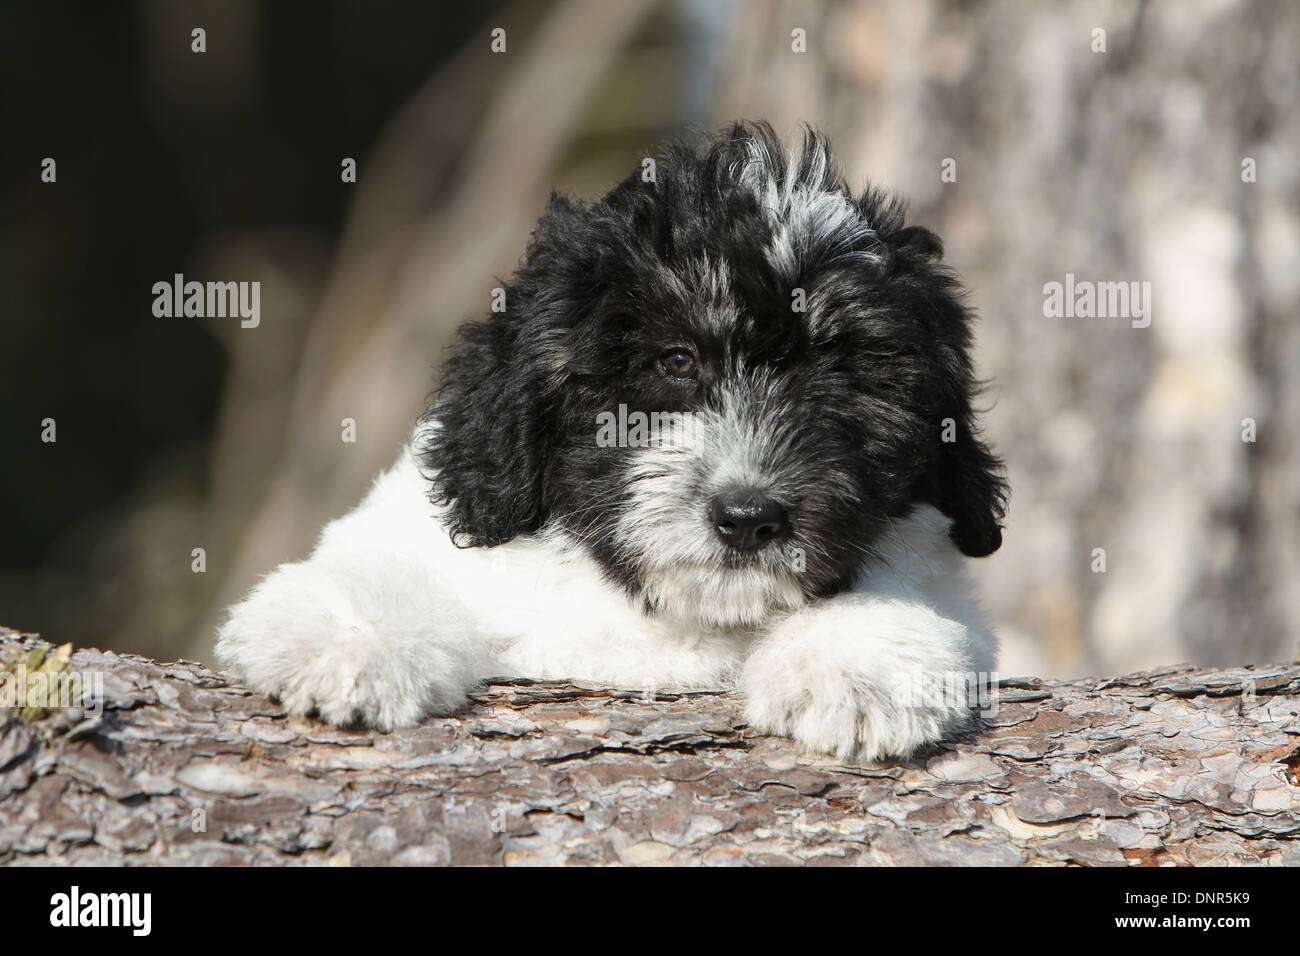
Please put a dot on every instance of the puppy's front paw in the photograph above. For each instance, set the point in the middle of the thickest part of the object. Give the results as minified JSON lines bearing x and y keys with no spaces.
{"x":861,"y":683}
{"x":300,"y":638}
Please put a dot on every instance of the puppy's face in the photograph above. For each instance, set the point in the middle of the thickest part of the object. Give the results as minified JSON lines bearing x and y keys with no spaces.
{"x":724,"y":381}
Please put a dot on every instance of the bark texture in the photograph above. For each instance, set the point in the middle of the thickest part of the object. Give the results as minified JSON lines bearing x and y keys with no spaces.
{"x":1179,"y":765}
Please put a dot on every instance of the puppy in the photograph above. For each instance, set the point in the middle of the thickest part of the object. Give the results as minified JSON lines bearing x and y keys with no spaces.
{"x":721,"y":435}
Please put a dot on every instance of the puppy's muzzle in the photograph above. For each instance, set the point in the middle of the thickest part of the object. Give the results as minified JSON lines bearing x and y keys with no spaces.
{"x":747,"y":519}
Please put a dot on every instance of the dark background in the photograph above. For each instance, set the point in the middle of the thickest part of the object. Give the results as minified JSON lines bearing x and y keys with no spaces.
{"x":159,"y":150}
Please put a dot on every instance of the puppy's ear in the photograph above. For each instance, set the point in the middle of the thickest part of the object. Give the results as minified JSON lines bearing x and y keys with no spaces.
{"x":969,"y":486}
{"x":968,"y":481}
{"x":484,"y":440}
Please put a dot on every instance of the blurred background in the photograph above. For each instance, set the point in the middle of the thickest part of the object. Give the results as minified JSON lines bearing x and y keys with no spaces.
{"x":182,"y":433}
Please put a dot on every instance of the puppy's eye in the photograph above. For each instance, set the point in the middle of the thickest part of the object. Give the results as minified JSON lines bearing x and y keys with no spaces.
{"x":678,"y":363}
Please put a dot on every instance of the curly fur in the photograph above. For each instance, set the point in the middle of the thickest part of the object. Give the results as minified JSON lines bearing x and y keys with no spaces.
{"x":508,"y":538}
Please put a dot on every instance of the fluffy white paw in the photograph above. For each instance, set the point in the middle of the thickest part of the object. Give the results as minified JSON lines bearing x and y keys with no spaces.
{"x":305,"y":640}
{"x":861,"y":679}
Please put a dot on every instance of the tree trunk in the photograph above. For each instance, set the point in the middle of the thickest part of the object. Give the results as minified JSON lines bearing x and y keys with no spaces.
{"x":1173,"y":766}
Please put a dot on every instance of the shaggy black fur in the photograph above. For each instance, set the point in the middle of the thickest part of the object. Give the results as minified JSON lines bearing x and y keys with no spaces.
{"x":859,"y":387}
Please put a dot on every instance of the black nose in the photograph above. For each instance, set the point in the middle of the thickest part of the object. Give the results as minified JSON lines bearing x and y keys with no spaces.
{"x":747,"y":520}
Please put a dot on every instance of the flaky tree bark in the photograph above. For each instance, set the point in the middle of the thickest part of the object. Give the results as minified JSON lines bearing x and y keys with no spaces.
{"x":1179,"y":765}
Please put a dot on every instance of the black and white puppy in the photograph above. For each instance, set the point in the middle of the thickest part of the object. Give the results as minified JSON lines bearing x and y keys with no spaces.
{"x":721,"y":435}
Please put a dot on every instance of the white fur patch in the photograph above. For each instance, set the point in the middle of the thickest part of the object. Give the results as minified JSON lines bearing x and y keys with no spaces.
{"x":803,"y":217}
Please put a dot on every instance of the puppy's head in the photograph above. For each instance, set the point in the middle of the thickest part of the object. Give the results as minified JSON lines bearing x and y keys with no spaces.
{"x":724,"y":380}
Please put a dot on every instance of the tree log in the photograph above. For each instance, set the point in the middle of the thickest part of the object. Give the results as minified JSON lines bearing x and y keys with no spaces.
{"x":1181,"y":765}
